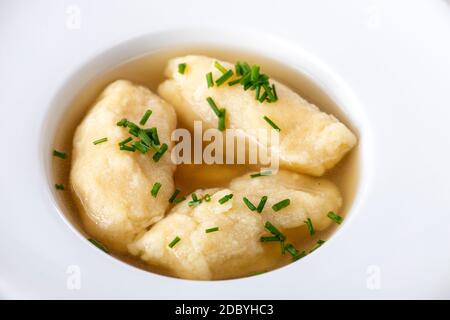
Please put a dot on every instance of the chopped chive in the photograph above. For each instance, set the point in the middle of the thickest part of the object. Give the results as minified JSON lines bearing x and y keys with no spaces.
{"x":145,"y":117}
{"x":222,"y":118}
{"x":227,"y":75}
{"x":59,"y":186}
{"x":174,"y":242}
{"x":100,"y":141}
{"x":194,"y":196}
{"x":140,"y":146}
{"x":207,"y":197}
{"x":154,"y":135}
{"x":257,"y":92}
{"x":212,"y":230}
{"x":291,"y":249}
{"x":272,"y":124}
{"x":318,"y":244}
{"x":177,"y":201}
{"x":268,"y":89}
{"x":263,"y":97}
{"x":261,"y":174}
{"x":122,"y":123}
{"x":238,"y":69}
{"x":269,"y":239}
{"x":225,"y":198}
{"x":59,"y":154}
{"x":155,"y":189}
{"x":174,"y":195}
{"x":261,"y":204}
{"x":127,"y":148}
{"x":335,"y":217}
{"x":99,"y":245}
{"x":158,"y":154}
{"x":255,"y":72}
{"x":181,"y":68}
{"x":145,"y":138}
{"x":134,"y":128}
{"x":236,"y":81}
{"x":310,"y":226}
{"x":213,"y":106}
{"x":124,"y":142}
{"x":209,"y":79}
{"x":194,"y":203}
{"x":283,"y":247}
{"x":280,"y":205}
{"x":220,"y":67}
{"x":272,"y":229}
{"x":274,"y":92}
{"x":250,"y":205}
{"x":257,"y":273}
{"x":294,"y":252}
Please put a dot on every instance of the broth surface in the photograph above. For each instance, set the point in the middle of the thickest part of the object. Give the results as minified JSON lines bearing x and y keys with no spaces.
{"x":148,"y":70}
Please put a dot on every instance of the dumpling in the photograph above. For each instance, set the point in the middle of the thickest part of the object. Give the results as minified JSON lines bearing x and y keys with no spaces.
{"x":311,"y":141}
{"x":235,"y":249}
{"x":113,"y":186}
{"x":309,"y":198}
{"x":229,"y":252}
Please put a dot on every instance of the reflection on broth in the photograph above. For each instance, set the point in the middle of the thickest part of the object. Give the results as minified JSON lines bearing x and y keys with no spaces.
{"x":148,"y":71}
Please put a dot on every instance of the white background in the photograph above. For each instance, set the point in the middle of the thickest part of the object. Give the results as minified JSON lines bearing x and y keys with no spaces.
{"x":394,"y":55}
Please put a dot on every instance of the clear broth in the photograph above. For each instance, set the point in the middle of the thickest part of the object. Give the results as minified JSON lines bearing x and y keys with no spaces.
{"x":148,"y":70}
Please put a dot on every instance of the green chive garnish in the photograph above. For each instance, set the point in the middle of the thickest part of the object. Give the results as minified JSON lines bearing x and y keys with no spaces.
{"x":59,"y":186}
{"x":310,"y":226}
{"x":181,"y":68}
{"x":261,"y":174}
{"x":174,"y":195}
{"x":212,"y":230}
{"x":174,"y":242}
{"x":272,"y":229}
{"x":154,"y":135}
{"x":227,"y":75}
{"x":238,"y":69}
{"x":145,"y":138}
{"x":261,"y":204}
{"x":272,"y":124}
{"x":59,"y":154}
{"x":318,"y":244}
{"x":274,"y":92}
{"x":127,"y":148}
{"x":280,"y":205}
{"x":222,"y":116}
{"x":177,"y":201}
{"x":250,"y":205}
{"x":213,"y":106}
{"x":99,"y":245}
{"x":123,"y":142}
{"x":100,"y":141}
{"x":140,"y":147}
{"x":335,"y":217}
{"x":294,"y":252}
{"x":155,"y":189}
{"x":195,"y":200}
{"x":122,"y":123}
{"x":269,"y":239}
{"x":158,"y":154}
{"x":236,"y":81}
{"x":207,"y":197}
{"x":255,"y":72}
{"x":209,"y":79}
{"x":283,"y":247}
{"x":225,"y":198}
{"x":145,"y":117}
{"x":220,"y":67}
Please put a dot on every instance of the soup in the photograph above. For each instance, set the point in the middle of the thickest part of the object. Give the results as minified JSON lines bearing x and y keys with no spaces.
{"x":148,"y":70}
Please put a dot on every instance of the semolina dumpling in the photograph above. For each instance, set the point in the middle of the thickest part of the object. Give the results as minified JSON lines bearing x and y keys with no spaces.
{"x":235,"y":248}
{"x":112,"y":186}
{"x":310,"y":140}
